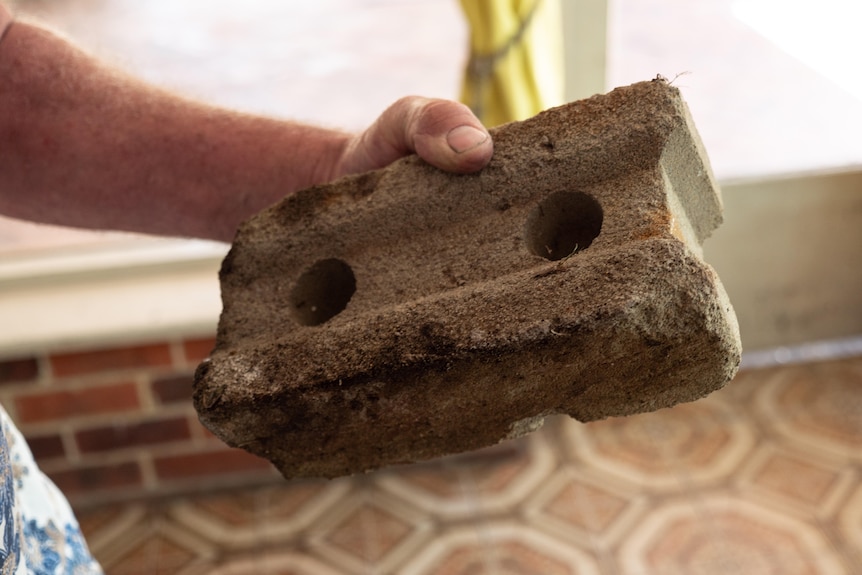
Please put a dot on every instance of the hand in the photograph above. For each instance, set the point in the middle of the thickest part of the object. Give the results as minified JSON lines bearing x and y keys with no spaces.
{"x":445,"y":134}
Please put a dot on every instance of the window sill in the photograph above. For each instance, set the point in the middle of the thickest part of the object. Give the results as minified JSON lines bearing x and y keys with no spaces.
{"x":110,"y":295}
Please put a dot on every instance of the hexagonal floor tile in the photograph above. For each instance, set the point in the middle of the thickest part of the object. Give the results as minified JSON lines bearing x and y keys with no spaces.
{"x":722,"y":535}
{"x":500,"y":549}
{"x":489,"y":480}
{"x":689,"y":443}
{"x":573,"y":505}
{"x":245,"y":519}
{"x":368,"y":528}
{"x":818,"y":406}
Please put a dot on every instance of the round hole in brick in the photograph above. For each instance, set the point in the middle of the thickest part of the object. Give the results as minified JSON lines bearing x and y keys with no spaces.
{"x":322,"y":292}
{"x":562,"y":224}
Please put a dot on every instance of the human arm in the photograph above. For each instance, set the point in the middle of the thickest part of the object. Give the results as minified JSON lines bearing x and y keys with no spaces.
{"x":84,"y":145}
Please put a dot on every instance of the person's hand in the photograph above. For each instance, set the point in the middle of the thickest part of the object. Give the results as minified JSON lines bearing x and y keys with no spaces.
{"x":444,"y":133}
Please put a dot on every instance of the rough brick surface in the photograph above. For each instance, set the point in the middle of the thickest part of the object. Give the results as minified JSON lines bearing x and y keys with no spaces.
{"x":201,"y":464}
{"x":94,"y":361}
{"x":133,"y":434}
{"x":42,"y":406}
{"x":408,"y":313}
{"x":18,"y":370}
{"x":95,"y":478}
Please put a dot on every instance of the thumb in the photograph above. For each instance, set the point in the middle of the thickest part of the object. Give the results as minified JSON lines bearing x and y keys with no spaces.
{"x":444,"y":133}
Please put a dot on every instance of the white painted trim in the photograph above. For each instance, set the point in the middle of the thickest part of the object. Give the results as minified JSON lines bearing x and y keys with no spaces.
{"x":110,"y":256}
{"x":122,"y":293}
{"x":788,"y":254}
{"x":585,"y":32}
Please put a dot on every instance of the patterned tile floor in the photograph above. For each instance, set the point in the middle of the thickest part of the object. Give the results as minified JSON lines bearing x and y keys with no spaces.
{"x":762,"y":477}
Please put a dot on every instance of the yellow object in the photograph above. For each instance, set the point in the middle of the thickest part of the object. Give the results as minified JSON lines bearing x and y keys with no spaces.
{"x":516,"y":58}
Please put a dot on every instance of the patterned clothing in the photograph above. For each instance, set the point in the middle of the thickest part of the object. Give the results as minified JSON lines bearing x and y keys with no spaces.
{"x":39,"y":534}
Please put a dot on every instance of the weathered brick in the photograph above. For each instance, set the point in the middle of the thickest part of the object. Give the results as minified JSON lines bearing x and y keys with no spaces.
{"x":137,"y":434}
{"x":54,"y":404}
{"x":173,"y":389}
{"x":415,"y":313}
{"x":197,"y":350}
{"x":97,"y":478}
{"x":223,"y":461}
{"x":46,"y":447}
{"x":107,"y":360}
{"x":19,"y":370}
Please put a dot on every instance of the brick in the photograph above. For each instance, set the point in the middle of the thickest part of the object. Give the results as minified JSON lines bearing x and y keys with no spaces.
{"x":108,"y":360}
{"x":19,"y":370}
{"x":97,"y":478}
{"x":416,"y":313}
{"x":53,"y":404}
{"x":139,"y":434}
{"x":173,"y":389}
{"x":46,"y":447}
{"x":201,"y":431}
{"x":207,"y":464}
{"x":197,"y":350}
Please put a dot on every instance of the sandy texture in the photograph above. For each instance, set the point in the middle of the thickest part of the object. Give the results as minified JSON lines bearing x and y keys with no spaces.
{"x":407,"y":313}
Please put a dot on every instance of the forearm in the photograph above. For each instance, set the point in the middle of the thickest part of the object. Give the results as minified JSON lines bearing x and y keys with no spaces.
{"x":83,"y":145}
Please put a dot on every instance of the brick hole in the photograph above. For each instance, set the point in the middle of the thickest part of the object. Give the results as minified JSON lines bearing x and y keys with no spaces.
{"x":322,"y":292}
{"x":562,"y":224}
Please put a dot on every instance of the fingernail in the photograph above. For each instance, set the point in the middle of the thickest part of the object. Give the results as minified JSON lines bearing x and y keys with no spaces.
{"x":464,"y":138}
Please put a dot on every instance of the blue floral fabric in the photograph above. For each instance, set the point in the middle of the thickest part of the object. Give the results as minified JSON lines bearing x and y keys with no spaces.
{"x":11,"y":549}
{"x":40,"y":535}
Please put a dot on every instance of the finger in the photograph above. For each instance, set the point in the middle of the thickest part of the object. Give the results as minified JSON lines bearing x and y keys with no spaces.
{"x":445,"y":134}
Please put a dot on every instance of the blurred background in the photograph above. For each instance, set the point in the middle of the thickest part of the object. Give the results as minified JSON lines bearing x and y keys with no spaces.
{"x":102,"y":331}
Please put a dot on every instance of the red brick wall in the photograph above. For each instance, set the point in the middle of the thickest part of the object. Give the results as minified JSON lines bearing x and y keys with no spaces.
{"x":119,"y":423}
